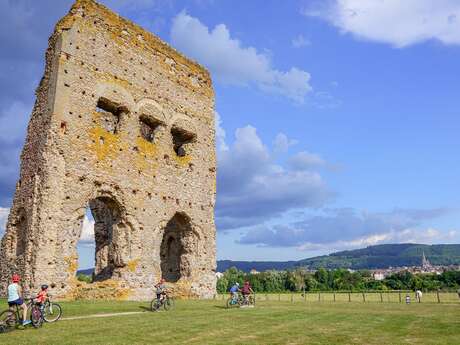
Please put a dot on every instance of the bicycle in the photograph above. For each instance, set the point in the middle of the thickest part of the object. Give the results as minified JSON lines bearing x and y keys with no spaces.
{"x":233,"y":301}
{"x":52,"y":312}
{"x":240,"y":301}
{"x":12,"y":318}
{"x":166,"y":302}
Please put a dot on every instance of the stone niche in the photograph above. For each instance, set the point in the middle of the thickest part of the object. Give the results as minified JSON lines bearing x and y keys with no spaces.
{"x":123,"y":125}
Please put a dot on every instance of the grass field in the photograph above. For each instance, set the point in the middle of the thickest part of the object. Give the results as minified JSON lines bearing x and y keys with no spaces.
{"x":270,"y":322}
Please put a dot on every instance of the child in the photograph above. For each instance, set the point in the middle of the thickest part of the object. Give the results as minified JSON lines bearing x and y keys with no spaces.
{"x":42,"y":296}
{"x":14,"y":298}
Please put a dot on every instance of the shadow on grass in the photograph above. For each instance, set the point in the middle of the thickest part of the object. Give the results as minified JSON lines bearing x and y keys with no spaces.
{"x":220,"y":307}
{"x":144,"y":308}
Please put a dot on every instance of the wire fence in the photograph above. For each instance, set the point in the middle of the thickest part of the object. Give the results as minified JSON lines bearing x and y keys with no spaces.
{"x":393,"y":296}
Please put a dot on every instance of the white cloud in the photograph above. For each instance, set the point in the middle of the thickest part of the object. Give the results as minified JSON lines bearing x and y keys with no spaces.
{"x":306,"y":161}
{"x":346,"y":228}
{"x":220,"y":134}
{"x":422,"y":236}
{"x":252,"y":188}
{"x":396,"y":22}
{"x":232,"y":63}
{"x":87,"y":231}
{"x":3,"y":219}
{"x":300,"y":41}
{"x":282,"y":143}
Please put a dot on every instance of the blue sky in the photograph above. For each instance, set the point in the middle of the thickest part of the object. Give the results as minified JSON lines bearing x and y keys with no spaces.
{"x":338,"y":120}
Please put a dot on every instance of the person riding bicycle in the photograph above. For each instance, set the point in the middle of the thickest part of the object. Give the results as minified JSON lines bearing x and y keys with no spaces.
{"x":246,"y":291}
{"x":234,"y":291}
{"x":14,"y":297}
{"x":160,"y":289}
{"x":42,"y":296}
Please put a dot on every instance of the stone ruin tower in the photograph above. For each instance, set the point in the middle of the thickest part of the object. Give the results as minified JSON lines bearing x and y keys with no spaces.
{"x":124,"y":124}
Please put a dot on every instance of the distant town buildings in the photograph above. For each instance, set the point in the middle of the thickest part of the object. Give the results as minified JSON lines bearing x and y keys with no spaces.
{"x":425,"y":268}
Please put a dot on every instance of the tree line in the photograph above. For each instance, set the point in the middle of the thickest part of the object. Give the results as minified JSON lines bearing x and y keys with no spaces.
{"x":336,"y":280}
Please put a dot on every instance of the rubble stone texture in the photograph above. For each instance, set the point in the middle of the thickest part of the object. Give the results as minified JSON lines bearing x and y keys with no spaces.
{"x":123,"y":124}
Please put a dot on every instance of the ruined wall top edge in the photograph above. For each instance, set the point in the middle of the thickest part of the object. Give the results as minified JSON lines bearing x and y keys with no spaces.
{"x":122,"y":29}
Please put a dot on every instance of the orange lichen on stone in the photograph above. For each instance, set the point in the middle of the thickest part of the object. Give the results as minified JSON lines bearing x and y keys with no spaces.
{"x":105,"y":290}
{"x":72,"y":264}
{"x":132,"y":265}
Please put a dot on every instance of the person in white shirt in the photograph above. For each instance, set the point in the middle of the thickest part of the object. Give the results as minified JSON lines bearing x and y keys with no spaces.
{"x":14,"y":297}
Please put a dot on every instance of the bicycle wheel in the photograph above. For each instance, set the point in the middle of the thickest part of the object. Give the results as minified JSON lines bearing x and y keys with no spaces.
{"x":52,"y":312}
{"x":36,"y":316}
{"x":168,"y":303}
{"x":155,"y":305}
{"x":7,"y":320}
{"x":231,"y":303}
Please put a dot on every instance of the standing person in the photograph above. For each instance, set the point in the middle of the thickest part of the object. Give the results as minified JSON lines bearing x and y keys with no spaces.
{"x":418,"y":296}
{"x":14,"y":297}
{"x":246,"y":291}
{"x":407,"y":299}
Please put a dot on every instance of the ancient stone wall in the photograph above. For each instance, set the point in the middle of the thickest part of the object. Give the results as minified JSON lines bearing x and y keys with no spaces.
{"x":123,"y":124}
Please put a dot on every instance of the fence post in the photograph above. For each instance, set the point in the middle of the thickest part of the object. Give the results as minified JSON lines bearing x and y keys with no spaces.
{"x":334,"y":296}
{"x":400,"y":296}
{"x":381,"y":297}
{"x":319,"y":296}
{"x":364,"y":296}
{"x":437,"y":294}
{"x":292,"y":297}
{"x":349,"y":296}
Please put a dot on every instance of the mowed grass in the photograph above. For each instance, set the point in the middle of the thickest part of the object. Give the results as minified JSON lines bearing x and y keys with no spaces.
{"x":270,"y":322}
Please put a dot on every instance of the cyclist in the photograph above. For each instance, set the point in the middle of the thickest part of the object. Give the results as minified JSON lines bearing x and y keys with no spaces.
{"x":234,"y":291}
{"x":14,"y":297}
{"x":42,"y":296}
{"x":246,"y":291}
{"x":160,"y":290}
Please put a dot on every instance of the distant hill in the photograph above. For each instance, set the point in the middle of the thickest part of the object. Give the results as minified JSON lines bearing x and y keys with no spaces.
{"x":246,"y":266}
{"x":373,"y":257}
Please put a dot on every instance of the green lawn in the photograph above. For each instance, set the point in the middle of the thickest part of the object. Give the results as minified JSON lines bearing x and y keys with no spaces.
{"x":270,"y":322}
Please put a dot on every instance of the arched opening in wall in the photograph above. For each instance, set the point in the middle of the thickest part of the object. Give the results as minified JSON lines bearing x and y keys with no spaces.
{"x":110,"y":114}
{"x":100,"y":237}
{"x":149,"y":127}
{"x":182,"y":140}
{"x":177,"y":245}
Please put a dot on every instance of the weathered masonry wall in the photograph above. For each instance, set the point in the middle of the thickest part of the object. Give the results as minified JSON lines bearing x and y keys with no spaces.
{"x":123,"y":124}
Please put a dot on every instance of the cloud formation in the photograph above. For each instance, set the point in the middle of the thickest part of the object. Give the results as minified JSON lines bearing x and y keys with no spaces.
{"x":232,"y":63}
{"x":87,"y":231}
{"x":396,"y":22}
{"x":300,"y":41}
{"x":3,"y":219}
{"x":343,"y":228}
{"x":252,"y":188}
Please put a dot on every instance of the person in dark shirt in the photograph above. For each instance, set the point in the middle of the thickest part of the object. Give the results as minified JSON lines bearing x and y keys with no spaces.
{"x":246,"y":291}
